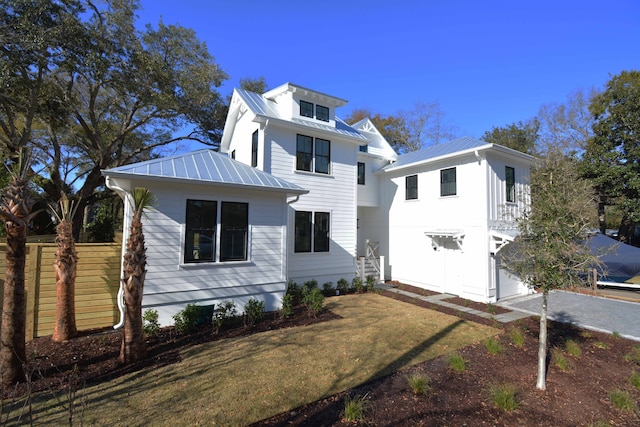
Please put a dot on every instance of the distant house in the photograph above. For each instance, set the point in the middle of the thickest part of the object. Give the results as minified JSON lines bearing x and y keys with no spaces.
{"x":298,"y":194}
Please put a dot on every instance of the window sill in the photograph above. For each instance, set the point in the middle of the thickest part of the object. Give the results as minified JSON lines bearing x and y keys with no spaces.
{"x":202,"y":265}
{"x":322,"y":175}
{"x":312,"y":253}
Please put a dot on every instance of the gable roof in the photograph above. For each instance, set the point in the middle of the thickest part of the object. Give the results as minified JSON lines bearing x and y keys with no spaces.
{"x":204,"y":167}
{"x":378,"y":145}
{"x":456,"y":147}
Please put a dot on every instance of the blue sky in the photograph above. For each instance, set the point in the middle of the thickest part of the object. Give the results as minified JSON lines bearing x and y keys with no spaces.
{"x":488,"y":63}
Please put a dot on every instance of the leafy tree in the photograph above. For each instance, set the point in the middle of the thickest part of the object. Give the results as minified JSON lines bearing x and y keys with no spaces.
{"x":65,"y":267}
{"x":612,"y":157}
{"x":550,"y":251}
{"x":518,"y":136}
{"x":15,"y":211}
{"x":134,"y":270}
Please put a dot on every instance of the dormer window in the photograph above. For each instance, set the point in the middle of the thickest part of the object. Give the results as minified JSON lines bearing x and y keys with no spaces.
{"x":322,"y":113}
{"x":308,"y":109}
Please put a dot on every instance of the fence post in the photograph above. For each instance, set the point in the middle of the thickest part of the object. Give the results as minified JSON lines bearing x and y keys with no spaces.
{"x":381,"y":269}
{"x":34,"y":254}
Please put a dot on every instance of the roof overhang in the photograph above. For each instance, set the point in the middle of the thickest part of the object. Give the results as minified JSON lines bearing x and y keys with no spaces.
{"x":438,"y":236}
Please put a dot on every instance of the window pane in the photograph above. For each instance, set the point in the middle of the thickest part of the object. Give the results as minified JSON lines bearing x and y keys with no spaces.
{"x":306,"y":109}
{"x":448,"y":182}
{"x":322,"y":113}
{"x":411,"y":187}
{"x":323,"y":155}
{"x":321,"y":232}
{"x":200,"y":238}
{"x":360,"y":173}
{"x":510,"y":178}
{"x":254,"y":149}
{"x":304,"y":153}
{"x":364,"y":148}
{"x":234,"y":224}
{"x":302,"y":232}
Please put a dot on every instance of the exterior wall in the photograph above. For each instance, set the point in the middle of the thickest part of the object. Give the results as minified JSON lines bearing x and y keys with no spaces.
{"x":369,"y":193}
{"x":500,"y":211}
{"x":413,"y":259}
{"x":334,"y":193}
{"x":171,"y":284}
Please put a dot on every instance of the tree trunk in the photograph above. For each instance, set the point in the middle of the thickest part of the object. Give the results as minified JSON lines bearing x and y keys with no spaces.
{"x":133,"y":345}
{"x":542,"y":344}
{"x":602,"y":216}
{"x":12,"y":335}
{"x":65,"y":268}
{"x":625,"y":230}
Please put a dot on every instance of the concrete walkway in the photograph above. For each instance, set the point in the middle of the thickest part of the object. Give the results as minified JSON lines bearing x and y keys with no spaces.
{"x":438,"y":299}
{"x":586,"y":311}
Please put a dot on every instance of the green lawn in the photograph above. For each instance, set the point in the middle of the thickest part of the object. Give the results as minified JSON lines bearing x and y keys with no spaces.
{"x":243,"y":380}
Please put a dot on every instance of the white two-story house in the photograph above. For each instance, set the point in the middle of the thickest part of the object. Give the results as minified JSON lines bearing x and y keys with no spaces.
{"x":297,"y":194}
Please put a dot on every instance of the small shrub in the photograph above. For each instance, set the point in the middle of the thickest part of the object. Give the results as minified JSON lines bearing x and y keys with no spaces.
{"x":356,"y":408}
{"x":573,"y":348}
{"x":253,"y":312}
{"x":314,"y":301}
{"x":371,"y":283}
{"x":622,"y":400}
{"x":343,"y":286}
{"x":517,"y":337}
{"x":504,"y":396}
{"x":150,"y":323}
{"x":419,"y":384}
{"x":287,"y":306}
{"x":491,"y":308}
{"x":634,"y":380}
{"x":192,"y":317}
{"x":634,"y":355}
{"x":295,"y":291}
{"x":493,"y":346}
{"x":457,"y":362}
{"x":616,"y":334}
{"x":327,"y":289}
{"x":561,"y":360}
{"x":356,"y":284}
{"x":467,"y":302}
{"x":225,"y":312}
{"x":310,"y":285}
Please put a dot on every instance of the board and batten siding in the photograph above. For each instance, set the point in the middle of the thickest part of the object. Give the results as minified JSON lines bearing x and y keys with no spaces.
{"x":170,"y":284}
{"x":501,"y":211}
{"x":334,"y":193}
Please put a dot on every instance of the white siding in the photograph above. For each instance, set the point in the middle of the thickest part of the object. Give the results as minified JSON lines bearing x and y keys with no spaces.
{"x":170,"y":284}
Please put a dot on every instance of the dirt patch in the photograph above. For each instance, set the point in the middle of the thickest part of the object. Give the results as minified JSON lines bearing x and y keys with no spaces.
{"x":486,"y":308}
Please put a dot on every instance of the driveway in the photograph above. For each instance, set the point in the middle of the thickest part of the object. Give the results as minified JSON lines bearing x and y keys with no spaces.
{"x":589,"y":312}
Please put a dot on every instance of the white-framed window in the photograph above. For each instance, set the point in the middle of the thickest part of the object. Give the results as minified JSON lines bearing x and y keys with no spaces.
{"x":448,"y":182}
{"x":216,"y":231}
{"x":313,"y":155}
{"x":312,"y":231}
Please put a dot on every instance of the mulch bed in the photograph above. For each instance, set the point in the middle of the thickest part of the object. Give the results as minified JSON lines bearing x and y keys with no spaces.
{"x":579,"y":396}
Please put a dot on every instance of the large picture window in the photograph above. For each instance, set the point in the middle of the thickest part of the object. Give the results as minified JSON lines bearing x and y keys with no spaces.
{"x":312,"y":230}
{"x":313,"y":155}
{"x":448,"y":182}
{"x":411,"y":187}
{"x":202,"y":239}
{"x":510,"y":179}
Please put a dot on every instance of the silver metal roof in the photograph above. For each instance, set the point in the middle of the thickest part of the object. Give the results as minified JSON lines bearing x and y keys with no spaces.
{"x":435,"y":151}
{"x":204,"y":166}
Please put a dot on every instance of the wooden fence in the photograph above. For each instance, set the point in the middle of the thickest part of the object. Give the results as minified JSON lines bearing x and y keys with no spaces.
{"x":97,"y":283}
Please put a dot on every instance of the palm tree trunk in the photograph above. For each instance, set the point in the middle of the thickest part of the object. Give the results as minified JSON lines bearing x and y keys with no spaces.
{"x":65,"y":268}
{"x":12,"y":335}
{"x":542,"y":344}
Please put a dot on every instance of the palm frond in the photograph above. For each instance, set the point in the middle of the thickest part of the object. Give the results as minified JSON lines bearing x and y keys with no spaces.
{"x":142,"y":200}
{"x":66,"y":209}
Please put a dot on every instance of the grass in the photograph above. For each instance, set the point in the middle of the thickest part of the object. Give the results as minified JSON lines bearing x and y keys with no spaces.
{"x":493,"y":346}
{"x":242,"y":380}
{"x":601,"y":345}
{"x":356,"y":408}
{"x":517,"y":337}
{"x":572,"y":348}
{"x":634,"y":355}
{"x":622,"y":400}
{"x":561,"y":361}
{"x":419,"y":383}
{"x":457,"y":362}
{"x":634,"y":380}
{"x":504,"y":396}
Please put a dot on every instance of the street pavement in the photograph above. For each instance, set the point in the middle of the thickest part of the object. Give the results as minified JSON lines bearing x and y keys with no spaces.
{"x":587,"y":311}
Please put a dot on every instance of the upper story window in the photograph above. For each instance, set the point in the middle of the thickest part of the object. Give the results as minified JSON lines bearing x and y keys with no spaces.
{"x":322,"y":113}
{"x":233,"y":154}
{"x":364,"y":148}
{"x":204,"y":234}
{"x":313,"y":155}
{"x":254,"y":149}
{"x":411,"y":187}
{"x":360,"y":173}
{"x":510,"y":180}
{"x":448,"y":182}
{"x":306,"y":109}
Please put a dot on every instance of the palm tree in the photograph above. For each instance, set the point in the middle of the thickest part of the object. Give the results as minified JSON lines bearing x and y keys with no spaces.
{"x":65,"y":267}
{"x":134,"y":269}
{"x":15,"y":210}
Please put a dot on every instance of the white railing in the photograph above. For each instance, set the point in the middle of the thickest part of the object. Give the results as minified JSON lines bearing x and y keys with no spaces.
{"x":373,"y":259}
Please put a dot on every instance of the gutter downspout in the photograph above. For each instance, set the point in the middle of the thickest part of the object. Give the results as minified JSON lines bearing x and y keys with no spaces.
{"x":126,"y":225}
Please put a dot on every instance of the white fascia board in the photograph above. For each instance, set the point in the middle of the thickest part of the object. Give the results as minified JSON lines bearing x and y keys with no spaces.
{"x":286,"y":123}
